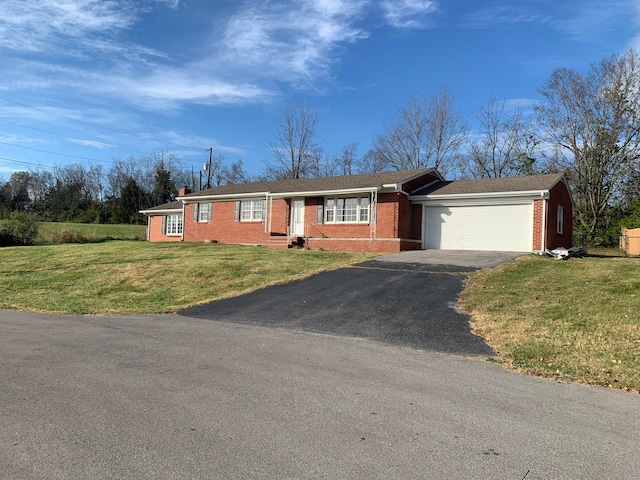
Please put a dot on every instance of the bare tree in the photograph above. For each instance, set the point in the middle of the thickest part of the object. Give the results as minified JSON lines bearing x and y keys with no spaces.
{"x":372,"y":162}
{"x":426,"y":132}
{"x":504,"y":144}
{"x":294,"y":148}
{"x":348,"y":159}
{"x":235,"y":173}
{"x":594,"y":120}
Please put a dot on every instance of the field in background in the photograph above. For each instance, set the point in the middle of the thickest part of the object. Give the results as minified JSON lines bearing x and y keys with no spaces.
{"x":49,"y":232}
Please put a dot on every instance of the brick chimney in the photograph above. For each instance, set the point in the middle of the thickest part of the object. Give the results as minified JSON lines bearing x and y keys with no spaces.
{"x":183,"y":191}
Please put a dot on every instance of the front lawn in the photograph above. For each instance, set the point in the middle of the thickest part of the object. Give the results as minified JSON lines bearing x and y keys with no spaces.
{"x":575,"y":320}
{"x":139,"y":277}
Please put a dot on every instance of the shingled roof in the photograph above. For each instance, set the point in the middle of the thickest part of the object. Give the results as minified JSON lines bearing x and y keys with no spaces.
{"x":532,"y":183}
{"x":175,"y":205}
{"x":320,"y":184}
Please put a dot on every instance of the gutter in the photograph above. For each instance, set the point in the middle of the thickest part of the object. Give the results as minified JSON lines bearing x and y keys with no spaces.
{"x":322,"y":193}
{"x":195,"y":198}
{"x":464,"y":196}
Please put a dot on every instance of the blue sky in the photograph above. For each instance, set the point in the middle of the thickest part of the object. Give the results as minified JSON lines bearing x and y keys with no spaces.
{"x":91,"y":81}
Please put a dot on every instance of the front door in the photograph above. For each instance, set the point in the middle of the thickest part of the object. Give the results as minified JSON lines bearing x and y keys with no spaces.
{"x":297,"y":218}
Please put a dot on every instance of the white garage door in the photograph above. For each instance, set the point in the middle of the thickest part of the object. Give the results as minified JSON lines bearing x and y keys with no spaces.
{"x":481,"y":227}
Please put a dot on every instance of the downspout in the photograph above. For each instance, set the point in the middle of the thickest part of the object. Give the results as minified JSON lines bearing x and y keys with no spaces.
{"x":267,"y":217}
{"x":374,"y":214}
{"x":543,"y":238}
{"x":184,"y":223}
{"x":148,"y":228}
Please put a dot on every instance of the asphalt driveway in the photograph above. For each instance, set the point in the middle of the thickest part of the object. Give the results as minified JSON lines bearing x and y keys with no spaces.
{"x":408,"y":299}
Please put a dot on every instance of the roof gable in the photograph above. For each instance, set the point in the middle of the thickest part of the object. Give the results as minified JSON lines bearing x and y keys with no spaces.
{"x":531,"y":183}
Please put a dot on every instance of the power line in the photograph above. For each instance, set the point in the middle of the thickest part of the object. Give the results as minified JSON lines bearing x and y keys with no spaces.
{"x":96,"y":125}
{"x":54,"y":153}
{"x":22,"y":162}
{"x":66,"y":136}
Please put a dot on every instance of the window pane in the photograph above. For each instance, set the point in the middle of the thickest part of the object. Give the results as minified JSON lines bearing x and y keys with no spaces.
{"x":350,"y":209}
{"x":205,"y":208}
{"x":364,"y":209}
{"x":246,"y":210}
{"x":258,"y":207}
{"x":330,"y":210}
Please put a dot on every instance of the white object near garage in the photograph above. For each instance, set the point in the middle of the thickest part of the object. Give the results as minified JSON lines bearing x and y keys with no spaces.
{"x":479,"y":227}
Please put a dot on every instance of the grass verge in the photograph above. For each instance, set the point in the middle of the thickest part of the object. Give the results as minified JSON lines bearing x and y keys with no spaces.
{"x":122,"y":277}
{"x":574,"y":320}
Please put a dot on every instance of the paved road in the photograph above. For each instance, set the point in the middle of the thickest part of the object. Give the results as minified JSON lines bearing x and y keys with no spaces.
{"x":407,"y":304}
{"x":172,"y":397}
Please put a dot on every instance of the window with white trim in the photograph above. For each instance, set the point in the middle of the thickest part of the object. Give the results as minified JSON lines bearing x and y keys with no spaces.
{"x":202,"y":212}
{"x":251,"y":210}
{"x":173,"y":225}
{"x":560,"y":220}
{"x":347,"y":209}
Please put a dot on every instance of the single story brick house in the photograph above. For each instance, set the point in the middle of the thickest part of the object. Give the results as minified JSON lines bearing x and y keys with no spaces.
{"x":378,"y":212}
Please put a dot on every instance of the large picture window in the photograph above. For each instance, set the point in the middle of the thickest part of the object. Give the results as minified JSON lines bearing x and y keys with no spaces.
{"x":347,"y":210}
{"x":251,"y":210}
{"x":172,"y":225}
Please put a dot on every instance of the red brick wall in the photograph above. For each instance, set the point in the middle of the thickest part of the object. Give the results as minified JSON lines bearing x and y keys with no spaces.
{"x":155,"y":231}
{"x":280,"y":213}
{"x":397,"y":220}
{"x":386,"y":220}
{"x":391,"y":245}
{"x":222,"y":228}
{"x":559,"y":195}
{"x":387,"y":215}
{"x":538,"y":215}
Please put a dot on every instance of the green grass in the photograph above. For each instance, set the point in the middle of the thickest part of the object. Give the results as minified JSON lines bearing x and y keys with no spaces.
{"x":90,"y":231}
{"x":575,"y":320}
{"x":120,"y":277}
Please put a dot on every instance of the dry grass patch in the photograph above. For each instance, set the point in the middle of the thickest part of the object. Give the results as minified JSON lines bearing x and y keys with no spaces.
{"x":574,"y":320}
{"x":141,"y":277}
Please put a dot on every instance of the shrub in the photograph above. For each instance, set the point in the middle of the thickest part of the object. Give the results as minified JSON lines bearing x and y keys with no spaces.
{"x":67,"y":235}
{"x":18,"y":229}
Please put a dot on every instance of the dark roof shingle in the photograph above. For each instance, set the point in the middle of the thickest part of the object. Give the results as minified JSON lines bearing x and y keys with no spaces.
{"x":492,"y":185}
{"x":315,"y":184}
{"x":175,"y":205}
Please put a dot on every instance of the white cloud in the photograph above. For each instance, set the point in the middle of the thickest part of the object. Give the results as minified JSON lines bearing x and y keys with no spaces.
{"x":91,"y":143}
{"x":591,"y":20}
{"x":408,"y":13}
{"x":43,"y":25}
{"x":92,"y":48}
{"x":504,"y":15}
{"x":295,"y":43}
{"x":586,"y":21}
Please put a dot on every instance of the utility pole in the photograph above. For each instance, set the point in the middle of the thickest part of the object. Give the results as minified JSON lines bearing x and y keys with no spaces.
{"x":207,"y":167}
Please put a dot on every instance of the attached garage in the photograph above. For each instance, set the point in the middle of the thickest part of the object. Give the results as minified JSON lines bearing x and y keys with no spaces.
{"x":516,"y":214}
{"x":479,"y":227}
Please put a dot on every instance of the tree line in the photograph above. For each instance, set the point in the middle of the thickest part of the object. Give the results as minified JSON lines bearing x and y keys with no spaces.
{"x":92,"y":194}
{"x":587,"y":126}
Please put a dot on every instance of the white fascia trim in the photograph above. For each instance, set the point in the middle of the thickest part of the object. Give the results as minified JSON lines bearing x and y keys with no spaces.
{"x":324,"y":193}
{"x":533,"y":194}
{"x":161,"y":212}
{"x":235,"y":196}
